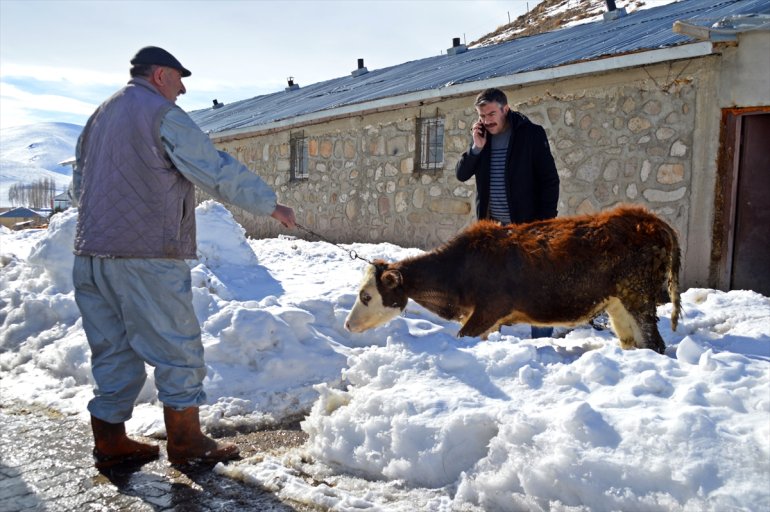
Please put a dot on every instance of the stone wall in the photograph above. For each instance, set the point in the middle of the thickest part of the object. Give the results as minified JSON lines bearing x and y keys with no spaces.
{"x":619,"y":137}
{"x":621,"y":145}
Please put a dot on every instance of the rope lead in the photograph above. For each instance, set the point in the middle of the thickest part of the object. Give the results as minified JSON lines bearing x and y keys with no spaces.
{"x":353,"y":254}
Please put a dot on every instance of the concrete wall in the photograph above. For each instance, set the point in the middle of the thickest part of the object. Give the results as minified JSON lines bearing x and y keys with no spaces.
{"x":647,"y":135}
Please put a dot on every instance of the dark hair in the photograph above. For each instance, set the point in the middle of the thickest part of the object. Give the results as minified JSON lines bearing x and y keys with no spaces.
{"x":491,"y":95}
{"x":143,"y":70}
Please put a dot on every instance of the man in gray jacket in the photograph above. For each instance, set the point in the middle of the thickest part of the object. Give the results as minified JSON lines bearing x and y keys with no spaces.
{"x":138,"y":161}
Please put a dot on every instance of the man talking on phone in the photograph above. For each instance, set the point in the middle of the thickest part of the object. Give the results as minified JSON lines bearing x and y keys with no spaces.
{"x":516,"y":178}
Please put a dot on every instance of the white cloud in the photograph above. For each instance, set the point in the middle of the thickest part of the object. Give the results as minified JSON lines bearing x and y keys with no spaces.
{"x":19,"y":107}
{"x":52,"y":102}
{"x":64,"y":75}
{"x":12,"y":115}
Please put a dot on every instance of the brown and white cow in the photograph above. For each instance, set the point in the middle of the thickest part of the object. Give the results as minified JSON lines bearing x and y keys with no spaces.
{"x":562,"y":271}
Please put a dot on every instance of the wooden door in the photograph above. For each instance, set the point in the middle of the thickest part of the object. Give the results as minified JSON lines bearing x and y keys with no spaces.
{"x":751,"y":241}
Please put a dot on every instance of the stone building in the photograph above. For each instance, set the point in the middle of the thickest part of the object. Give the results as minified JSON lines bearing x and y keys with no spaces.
{"x":640,"y":108}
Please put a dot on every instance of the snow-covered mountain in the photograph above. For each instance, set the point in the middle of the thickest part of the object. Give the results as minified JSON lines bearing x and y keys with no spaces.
{"x":40,"y":145}
{"x":554,"y":14}
{"x":33,"y":152}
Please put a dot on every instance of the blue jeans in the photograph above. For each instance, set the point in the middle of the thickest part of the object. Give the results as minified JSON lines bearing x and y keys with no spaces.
{"x":541,"y":332}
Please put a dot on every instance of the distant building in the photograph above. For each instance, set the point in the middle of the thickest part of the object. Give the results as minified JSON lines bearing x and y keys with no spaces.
{"x":22,"y":218}
{"x":62,"y":201}
{"x":666,"y":107}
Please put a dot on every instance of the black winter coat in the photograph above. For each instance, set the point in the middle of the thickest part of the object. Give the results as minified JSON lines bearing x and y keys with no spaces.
{"x":531,"y":180}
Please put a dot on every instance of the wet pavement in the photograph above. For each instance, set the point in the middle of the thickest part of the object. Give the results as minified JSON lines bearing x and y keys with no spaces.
{"x":46,"y":464}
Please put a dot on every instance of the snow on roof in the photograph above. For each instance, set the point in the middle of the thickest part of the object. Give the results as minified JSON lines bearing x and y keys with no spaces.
{"x":639,"y":31}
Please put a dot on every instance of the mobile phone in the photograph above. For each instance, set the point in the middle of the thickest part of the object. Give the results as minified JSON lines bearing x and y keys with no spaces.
{"x":482,"y":130}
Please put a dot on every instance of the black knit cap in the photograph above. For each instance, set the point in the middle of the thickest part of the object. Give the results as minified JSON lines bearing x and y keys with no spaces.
{"x":152,"y":55}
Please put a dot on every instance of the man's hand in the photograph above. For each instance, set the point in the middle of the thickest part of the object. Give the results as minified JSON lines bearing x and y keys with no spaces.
{"x":479,"y":134}
{"x":284,"y":215}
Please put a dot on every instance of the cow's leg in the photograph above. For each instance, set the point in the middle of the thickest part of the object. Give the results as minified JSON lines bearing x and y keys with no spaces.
{"x":623,"y":324}
{"x":481,"y":322}
{"x":648,"y":321}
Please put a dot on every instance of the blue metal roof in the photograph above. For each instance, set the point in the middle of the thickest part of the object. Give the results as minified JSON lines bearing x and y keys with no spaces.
{"x":20,"y":212}
{"x":639,"y":31}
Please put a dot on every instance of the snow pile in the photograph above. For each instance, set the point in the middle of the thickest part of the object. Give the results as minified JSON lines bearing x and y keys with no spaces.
{"x":407,"y":416}
{"x":515,"y":426}
{"x":264,"y":355}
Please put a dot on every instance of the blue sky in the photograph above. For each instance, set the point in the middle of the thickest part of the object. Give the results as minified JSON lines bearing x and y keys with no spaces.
{"x":59,"y":59}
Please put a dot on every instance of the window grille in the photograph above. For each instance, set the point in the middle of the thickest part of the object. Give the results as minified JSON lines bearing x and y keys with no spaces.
{"x":430,"y":143}
{"x":298,"y":156}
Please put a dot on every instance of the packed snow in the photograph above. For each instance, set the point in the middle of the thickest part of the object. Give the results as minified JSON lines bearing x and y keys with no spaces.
{"x":407,"y":416}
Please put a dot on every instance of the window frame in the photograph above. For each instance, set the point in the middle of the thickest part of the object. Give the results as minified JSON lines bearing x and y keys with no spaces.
{"x":429,"y":143}
{"x":298,"y":156}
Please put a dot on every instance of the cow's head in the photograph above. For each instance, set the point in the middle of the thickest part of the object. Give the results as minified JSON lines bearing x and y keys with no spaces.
{"x":380,"y":299}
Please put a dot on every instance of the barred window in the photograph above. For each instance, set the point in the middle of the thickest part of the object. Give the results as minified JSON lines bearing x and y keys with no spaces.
{"x":430,"y":143}
{"x":298,"y":156}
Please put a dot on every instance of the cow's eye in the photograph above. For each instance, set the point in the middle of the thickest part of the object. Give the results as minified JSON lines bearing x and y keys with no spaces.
{"x":365,"y":298}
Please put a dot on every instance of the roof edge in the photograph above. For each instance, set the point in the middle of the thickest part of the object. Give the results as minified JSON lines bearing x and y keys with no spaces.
{"x":601,"y":65}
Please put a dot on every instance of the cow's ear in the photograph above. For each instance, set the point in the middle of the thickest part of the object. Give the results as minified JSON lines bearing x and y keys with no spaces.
{"x":391,"y":279}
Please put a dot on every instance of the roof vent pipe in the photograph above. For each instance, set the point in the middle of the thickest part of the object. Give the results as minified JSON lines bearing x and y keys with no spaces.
{"x":613,"y":12}
{"x":292,"y":86}
{"x":361,"y":69}
{"x":218,"y":105}
{"x":456,"y":47}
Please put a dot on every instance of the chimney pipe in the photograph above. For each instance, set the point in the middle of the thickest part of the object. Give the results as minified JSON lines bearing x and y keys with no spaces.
{"x":361,"y":70}
{"x":218,"y":105}
{"x":456,"y":47}
{"x":292,"y":86}
{"x":613,"y":12}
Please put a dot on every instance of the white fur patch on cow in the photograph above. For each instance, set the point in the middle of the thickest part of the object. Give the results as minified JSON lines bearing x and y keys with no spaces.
{"x":369,"y":311}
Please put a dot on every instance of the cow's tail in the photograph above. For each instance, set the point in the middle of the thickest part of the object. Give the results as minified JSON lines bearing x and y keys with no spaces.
{"x":674,"y":264}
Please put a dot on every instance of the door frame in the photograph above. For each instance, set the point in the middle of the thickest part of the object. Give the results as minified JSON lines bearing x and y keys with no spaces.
{"x":726,"y":191}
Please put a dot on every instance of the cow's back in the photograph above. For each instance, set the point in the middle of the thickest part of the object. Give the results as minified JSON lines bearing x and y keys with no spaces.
{"x":562,"y":268}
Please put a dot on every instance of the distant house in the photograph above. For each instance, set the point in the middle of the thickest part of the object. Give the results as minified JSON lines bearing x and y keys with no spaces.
{"x":22,"y":218}
{"x":667,"y":107}
{"x":62,"y":201}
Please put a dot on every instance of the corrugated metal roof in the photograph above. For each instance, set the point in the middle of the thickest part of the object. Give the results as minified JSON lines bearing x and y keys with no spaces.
{"x":639,"y":31}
